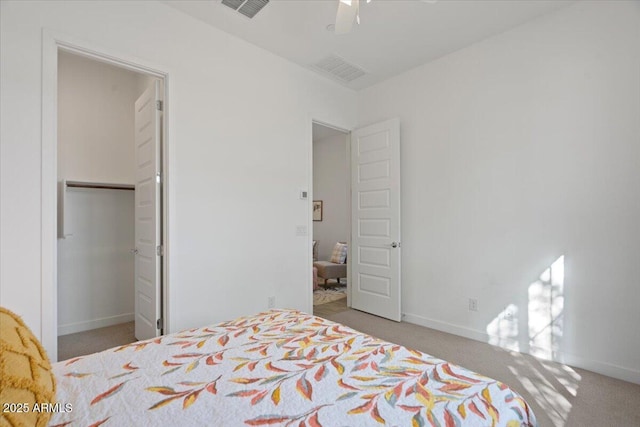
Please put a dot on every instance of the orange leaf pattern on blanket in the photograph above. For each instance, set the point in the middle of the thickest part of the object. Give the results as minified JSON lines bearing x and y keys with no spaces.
{"x":99,"y":423}
{"x":113,"y":390}
{"x":286,"y":368}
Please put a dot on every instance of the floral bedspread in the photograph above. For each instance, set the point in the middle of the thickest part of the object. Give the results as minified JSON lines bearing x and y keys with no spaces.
{"x":279,"y":368}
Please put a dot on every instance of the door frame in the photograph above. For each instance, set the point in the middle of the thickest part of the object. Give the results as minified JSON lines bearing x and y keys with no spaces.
{"x":52,"y":42}
{"x":347,"y":136}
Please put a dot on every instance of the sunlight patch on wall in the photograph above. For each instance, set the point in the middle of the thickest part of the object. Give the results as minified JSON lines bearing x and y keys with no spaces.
{"x":545,"y":311}
{"x":538,"y":331}
{"x":503,"y":330}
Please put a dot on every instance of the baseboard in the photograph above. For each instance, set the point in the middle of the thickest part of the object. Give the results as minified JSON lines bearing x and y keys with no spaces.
{"x":87,"y":325}
{"x":604,"y":368}
{"x":445,"y":327}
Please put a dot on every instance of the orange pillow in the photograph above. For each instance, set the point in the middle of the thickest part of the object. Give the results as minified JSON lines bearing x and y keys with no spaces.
{"x":25,"y":374}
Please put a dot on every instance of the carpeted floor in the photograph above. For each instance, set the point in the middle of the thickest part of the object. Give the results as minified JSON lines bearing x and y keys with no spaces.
{"x":95,"y":340}
{"x":326,"y":310}
{"x":558,"y":394}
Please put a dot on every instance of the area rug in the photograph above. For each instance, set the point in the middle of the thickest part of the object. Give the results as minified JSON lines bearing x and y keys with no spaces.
{"x":323,"y":296}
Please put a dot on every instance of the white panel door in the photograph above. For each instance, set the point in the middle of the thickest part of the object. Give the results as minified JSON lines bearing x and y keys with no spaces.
{"x":148,"y":238}
{"x":375,"y":225}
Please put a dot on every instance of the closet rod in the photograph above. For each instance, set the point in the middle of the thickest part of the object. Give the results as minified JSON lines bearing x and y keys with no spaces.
{"x":77,"y":184}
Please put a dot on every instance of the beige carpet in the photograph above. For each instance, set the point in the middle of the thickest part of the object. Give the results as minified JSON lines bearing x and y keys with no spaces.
{"x":324,"y":296}
{"x":326,"y":310}
{"x":558,"y":394}
{"x":95,"y":340}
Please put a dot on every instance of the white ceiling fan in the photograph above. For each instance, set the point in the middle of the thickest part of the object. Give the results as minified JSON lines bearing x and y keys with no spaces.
{"x":349,"y":12}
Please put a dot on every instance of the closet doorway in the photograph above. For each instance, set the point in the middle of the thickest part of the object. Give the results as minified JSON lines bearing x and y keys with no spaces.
{"x":109,"y":251}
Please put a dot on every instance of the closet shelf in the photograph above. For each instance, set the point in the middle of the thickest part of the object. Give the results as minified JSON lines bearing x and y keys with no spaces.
{"x":65,"y":225}
{"x":108,"y":186}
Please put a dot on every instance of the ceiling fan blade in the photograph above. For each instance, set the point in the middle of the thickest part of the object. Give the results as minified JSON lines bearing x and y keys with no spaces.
{"x":347,"y":12}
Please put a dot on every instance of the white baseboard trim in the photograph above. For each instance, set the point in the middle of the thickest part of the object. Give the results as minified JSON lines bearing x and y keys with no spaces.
{"x":445,"y":327}
{"x":604,"y":368}
{"x":87,"y":325}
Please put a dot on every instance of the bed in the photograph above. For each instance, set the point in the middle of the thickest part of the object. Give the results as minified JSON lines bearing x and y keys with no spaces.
{"x":278,"y":368}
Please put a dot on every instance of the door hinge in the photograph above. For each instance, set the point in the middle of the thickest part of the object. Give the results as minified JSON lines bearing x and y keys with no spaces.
{"x":159,"y":324}
{"x":158,"y":178}
{"x":159,"y":105}
{"x":159,"y":250}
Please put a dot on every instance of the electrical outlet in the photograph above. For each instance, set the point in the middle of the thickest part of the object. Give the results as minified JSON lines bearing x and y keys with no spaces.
{"x":271,"y":302}
{"x":473,"y":304}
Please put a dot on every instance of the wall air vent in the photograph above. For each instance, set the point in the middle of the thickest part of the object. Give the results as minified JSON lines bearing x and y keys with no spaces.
{"x":339,"y":69}
{"x":248,"y":8}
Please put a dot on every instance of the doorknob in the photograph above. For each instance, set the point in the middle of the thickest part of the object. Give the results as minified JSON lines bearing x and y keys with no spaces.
{"x":395,"y":244}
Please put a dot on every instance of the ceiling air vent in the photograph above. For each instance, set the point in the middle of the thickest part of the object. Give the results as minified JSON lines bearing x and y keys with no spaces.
{"x":248,"y":8}
{"x":339,"y":68}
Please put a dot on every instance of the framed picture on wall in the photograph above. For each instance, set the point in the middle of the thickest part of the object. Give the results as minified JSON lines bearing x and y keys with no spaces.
{"x":317,"y":210}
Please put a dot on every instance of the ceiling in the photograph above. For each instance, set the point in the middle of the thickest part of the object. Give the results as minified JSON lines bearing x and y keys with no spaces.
{"x":393,"y":36}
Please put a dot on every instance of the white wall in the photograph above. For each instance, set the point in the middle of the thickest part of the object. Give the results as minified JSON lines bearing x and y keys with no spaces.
{"x":516,"y":151}
{"x":238,"y":133}
{"x":96,"y":144}
{"x":95,"y":125}
{"x":95,"y":265}
{"x":330,"y":184}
